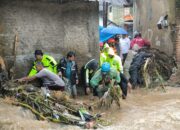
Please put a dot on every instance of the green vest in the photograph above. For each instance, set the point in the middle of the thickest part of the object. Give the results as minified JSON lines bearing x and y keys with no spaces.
{"x":98,"y":77}
{"x":48,"y":62}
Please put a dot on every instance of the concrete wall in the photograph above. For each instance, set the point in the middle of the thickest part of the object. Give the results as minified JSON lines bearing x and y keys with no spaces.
{"x":147,"y":14}
{"x":49,"y":25}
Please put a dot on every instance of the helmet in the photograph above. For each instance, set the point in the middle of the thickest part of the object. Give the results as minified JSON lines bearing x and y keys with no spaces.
{"x":105,"y":67}
{"x":111,"y":40}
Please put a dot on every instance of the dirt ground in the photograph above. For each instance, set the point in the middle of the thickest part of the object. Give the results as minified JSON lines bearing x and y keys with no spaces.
{"x":142,"y":110}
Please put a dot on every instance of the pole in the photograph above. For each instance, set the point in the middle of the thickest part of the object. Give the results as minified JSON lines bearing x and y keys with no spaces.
{"x":105,"y":12}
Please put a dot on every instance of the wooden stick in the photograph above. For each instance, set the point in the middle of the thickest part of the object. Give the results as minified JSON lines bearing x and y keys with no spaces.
{"x":29,"y":107}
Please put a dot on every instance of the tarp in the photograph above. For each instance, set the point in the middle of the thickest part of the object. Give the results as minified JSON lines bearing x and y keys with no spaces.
{"x":114,"y":30}
{"x":103,"y":36}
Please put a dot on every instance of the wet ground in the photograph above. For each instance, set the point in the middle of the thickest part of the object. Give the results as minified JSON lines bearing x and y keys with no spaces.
{"x":142,"y":110}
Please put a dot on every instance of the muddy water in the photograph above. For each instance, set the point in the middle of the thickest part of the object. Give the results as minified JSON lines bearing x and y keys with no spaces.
{"x":142,"y":110}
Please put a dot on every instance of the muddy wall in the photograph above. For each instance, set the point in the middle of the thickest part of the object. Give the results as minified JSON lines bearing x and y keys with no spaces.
{"x":53,"y":26}
{"x":146,"y":16}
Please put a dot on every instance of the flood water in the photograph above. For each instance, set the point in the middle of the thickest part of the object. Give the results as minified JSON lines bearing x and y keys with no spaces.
{"x":142,"y":110}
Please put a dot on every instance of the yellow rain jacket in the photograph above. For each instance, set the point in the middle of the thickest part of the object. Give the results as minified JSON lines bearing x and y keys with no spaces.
{"x":48,"y":62}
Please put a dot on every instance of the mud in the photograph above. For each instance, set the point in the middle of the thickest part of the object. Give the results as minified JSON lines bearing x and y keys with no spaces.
{"x":142,"y":110}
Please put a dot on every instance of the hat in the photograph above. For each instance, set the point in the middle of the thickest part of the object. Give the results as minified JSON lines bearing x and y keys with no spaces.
{"x":111,"y":40}
{"x":106,"y":46}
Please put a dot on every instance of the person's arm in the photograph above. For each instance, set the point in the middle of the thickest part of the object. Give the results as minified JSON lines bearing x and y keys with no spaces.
{"x":117,"y":77}
{"x":53,"y":63}
{"x":132,"y":43}
{"x":87,"y":77}
{"x":129,"y":44}
{"x":59,"y":68}
{"x":33,"y":70}
{"x":29,"y":78}
{"x":102,"y":58}
{"x":146,"y":43}
{"x":77,"y":79}
{"x":119,"y":64}
{"x":96,"y":79}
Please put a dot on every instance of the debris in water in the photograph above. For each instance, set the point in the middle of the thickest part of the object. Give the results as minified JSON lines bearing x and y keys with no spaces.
{"x":151,"y":67}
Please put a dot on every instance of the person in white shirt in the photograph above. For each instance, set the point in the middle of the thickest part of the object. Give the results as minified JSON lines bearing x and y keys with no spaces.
{"x":50,"y":80}
{"x":125,"y":46}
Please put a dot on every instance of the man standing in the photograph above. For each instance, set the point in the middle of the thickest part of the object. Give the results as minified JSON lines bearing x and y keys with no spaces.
{"x":50,"y":80}
{"x":46,"y":60}
{"x":125,"y":46}
{"x":67,"y":68}
{"x":139,"y":42}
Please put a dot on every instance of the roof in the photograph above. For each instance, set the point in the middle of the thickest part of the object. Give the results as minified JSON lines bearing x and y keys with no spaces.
{"x":117,"y":2}
{"x":128,"y":17}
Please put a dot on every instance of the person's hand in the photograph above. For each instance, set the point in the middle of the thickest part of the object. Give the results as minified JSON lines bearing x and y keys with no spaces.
{"x":20,"y":80}
{"x":100,"y":86}
{"x":129,"y":87}
{"x":108,"y":81}
{"x":60,"y":74}
{"x":77,"y":81}
{"x":88,"y":90}
{"x":105,"y":94}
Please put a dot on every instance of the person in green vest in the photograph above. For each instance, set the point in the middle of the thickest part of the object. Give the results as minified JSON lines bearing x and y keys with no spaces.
{"x":115,"y":62}
{"x":101,"y":81}
{"x":47,"y":61}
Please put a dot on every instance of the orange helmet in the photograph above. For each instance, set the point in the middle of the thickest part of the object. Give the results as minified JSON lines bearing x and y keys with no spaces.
{"x":111,"y":40}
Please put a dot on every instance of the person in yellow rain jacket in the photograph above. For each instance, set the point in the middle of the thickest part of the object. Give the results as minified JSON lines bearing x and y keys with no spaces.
{"x":104,"y":54}
{"x":47,"y":61}
{"x":114,"y":60}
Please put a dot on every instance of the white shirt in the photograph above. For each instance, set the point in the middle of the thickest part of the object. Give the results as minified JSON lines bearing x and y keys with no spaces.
{"x":47,"y":75}
{"x":124,"y":45}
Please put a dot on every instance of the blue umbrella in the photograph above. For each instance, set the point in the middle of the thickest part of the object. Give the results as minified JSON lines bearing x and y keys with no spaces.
{"x":104,"y":36}
{"x":114,"y":30}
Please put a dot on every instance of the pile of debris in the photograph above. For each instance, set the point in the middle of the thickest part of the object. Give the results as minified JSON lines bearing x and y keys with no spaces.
{"x":151,"y":67}
{"x":51,"y":105}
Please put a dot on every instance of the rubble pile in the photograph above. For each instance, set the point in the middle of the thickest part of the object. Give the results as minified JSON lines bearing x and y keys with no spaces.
{"x":50,"y":105}
{"x":150,"y":67}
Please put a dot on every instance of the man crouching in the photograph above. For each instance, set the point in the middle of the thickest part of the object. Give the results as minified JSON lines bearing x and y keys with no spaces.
{"x":50,"y":80}
{"x":105,"y":83}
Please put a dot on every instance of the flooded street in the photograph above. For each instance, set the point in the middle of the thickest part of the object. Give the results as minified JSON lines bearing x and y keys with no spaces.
{"x":142,"y":110}
{"x":149,"y":110}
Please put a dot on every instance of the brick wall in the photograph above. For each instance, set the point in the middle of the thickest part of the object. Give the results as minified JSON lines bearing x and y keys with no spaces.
{"x":48,"y":25}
